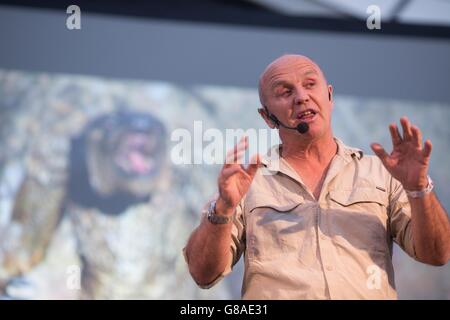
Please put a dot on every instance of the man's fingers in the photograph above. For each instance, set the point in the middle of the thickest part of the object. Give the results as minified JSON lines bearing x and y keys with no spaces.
{"x":241,"y":145}
{"x":254,"y":165}
{"x":427,"y":149}
{"x":416,"y":136}
{"x":380,"y":152}
{"x":229,"y":171}
{"x":234,"y":155}
{"x":406,"y":125}
{"x":395,"y":134}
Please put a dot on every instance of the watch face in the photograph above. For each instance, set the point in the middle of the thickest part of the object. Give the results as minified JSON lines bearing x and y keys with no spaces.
{"x":210,"y":212}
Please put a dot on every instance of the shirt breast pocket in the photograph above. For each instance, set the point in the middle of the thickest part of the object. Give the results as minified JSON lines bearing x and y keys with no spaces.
{"x":358,"y":217}
{"x":273,"y":226}
{"x":371,"y":199}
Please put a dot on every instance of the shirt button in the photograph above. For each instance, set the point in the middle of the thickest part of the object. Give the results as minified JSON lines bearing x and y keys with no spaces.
{"x":329,"y":268}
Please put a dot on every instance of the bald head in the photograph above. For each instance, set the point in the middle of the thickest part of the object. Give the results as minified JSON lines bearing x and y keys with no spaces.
{"x":283,"y":64}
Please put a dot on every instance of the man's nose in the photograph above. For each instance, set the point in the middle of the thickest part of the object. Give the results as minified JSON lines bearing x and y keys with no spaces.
{"x":301,"y":95}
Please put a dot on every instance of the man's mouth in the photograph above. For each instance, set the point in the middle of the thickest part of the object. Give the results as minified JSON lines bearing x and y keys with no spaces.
{"x":307,"y":115}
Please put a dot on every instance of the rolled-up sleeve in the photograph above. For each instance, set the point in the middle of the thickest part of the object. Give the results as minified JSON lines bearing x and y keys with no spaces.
{"x":400,"y":219}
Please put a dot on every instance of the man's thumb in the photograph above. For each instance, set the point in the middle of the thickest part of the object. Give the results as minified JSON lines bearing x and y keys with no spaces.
{"x":379,"y":151}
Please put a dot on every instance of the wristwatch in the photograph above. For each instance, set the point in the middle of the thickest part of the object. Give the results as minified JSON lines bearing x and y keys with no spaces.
{"x":215,"y":218}
{"x":421,"y":193}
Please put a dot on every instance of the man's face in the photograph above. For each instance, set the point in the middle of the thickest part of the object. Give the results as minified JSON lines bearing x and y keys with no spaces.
{"x":295,"y":90}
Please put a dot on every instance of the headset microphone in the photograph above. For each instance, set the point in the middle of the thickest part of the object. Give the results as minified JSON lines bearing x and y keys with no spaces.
{"x":302,"y":127}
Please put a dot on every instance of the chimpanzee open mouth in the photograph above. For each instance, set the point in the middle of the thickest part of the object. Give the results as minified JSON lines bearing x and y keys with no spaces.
{"x":137,"y":154}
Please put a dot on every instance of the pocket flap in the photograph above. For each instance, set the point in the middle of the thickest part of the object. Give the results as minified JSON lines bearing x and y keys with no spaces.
{"x":358,"y":195}
{"x":279,"y":204}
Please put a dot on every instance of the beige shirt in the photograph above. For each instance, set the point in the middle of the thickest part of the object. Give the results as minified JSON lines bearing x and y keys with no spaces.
{"x":336,"y":247}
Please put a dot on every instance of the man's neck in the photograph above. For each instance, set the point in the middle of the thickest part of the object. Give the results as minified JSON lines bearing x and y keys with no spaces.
{"x":311,"y":160}
{"x":315,"y":152}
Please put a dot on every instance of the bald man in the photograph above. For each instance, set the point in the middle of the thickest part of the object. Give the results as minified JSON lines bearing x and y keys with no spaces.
{"x":322,"y":224}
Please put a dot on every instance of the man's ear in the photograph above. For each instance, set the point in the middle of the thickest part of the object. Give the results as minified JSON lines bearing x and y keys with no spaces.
{"x":265,"y":116}
{"x":330,"y":95}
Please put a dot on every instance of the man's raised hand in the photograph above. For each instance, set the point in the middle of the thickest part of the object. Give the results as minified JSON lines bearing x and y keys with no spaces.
{"x":234,"y":179}
{"x":408,"y":161}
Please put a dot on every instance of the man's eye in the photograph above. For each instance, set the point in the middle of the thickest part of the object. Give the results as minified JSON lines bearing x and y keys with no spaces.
{"x":310,"y":84}
{"x":287,"y":92}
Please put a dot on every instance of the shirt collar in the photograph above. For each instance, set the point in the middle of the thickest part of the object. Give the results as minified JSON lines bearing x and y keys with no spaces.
{"x":348,"y":153}
{"x":273,"y":162}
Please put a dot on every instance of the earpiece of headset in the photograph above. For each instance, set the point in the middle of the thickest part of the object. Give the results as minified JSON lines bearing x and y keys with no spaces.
{"x":272,"y":117}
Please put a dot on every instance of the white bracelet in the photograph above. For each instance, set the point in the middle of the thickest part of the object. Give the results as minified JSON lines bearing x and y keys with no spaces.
{"x":421,"y":193}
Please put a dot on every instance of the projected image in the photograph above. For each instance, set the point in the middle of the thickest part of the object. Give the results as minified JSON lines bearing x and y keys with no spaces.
{"x":93,"y":207}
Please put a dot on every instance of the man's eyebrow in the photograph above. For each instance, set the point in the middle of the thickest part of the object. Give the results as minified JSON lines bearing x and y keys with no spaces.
{"x":288,"y":84}
{"x":280,"y":83}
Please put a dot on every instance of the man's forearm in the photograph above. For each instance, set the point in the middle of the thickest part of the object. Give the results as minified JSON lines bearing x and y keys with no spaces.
{"x":431,"y":230}
{"x":208,"y":251}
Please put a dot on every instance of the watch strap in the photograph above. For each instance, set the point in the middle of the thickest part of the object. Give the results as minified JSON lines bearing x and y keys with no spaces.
{"x":215,"y":218}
